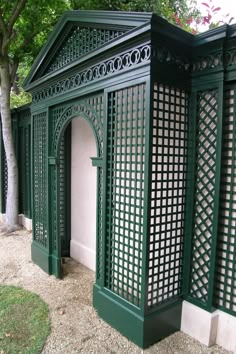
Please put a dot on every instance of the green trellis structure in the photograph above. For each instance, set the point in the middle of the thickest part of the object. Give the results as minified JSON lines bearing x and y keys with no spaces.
{"x":162,"y":106}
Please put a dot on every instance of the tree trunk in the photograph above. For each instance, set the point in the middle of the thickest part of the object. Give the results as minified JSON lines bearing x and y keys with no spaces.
{"x":12,"y":169}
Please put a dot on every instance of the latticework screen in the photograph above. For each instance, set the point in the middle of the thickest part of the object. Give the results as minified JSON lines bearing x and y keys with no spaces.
{"x":169,"y":163}
{"x":99,"y":222}
{"x":40,"y":206}
{"x":63,"y":205}
{"x":204,"y":202}
{"x":4,"y":176}
{"x":24,"y":162}
{"x":125,"y":192}
{"x":80,"y":41}
{"x":225,"y":277}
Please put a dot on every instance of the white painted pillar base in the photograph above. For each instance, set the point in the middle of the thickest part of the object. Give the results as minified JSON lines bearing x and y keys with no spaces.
{"x":226,"y":334}
{"x":23,"y":220}
{"x":2,"y":217}
{"x":208,"y":328}
{"x":83,"y":254}
{"x":199,"y":324}
{"x":26,"y":222}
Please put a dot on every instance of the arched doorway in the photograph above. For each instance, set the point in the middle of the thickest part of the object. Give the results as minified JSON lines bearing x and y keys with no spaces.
{"x":76,"y":184}
{"x":83,"y":194}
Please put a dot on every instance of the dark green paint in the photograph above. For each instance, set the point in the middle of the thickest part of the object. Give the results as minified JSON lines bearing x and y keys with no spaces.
{"x":142,"y":330}
{"x":146,"y":94}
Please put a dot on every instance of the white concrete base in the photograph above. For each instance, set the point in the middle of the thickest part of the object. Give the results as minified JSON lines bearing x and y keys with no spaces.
{"x":209,"y":328}
{"x":83,"y":254}
{"x":26,"y":222}
{"x":226,"y":334}
{"x":23,"y":220}
{"x":199,"y":323}
{"x":2,"y":217}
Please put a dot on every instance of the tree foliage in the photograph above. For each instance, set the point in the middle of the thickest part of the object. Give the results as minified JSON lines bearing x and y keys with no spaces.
{"x":39,"y":16}
{"x":175,"y":11}
{"x":31,"y":27}
{"x":24,"y":26}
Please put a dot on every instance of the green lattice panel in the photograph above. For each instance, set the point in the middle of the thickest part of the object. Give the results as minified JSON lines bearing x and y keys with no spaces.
{"x":125,"y":192}
{"x":204,"y":194}
{"x":168,"y":188}
{"x":225,"y":277}
{"x":64,"y":180}
{"x":54,"y":208}
{"x":55,"y":115}
{"x":62,"y":196}
{"x":80,"y":41}
{"x":3,"y":175}
{"x":4,"y":180}
{"x":99,"y":222}
{"x":24,"y":161}
{"x":40,"y":234}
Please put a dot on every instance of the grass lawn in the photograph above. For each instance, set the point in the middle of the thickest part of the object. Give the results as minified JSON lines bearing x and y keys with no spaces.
{"x":24,"y":321}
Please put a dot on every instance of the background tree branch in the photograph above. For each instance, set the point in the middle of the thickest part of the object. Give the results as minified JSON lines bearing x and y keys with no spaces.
{"x":16,"y":13}
{"x":3,"y":26}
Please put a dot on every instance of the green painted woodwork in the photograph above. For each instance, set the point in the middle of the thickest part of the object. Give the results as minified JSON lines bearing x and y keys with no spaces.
{"x":203,"y":245}
{"x":161,"y":104}
{"x":142,"y":331}
{"x":225,"y":274}
{"x":3,"y":177}
{"x":168,"y":189}
{"x":39,"y":179}
{"x":24,"y":159}
{"x":64,"y":194}
{"x":80,"y":41}
{"x":125,"y":192}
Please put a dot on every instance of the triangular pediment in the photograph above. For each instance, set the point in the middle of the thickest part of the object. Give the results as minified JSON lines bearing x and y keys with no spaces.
{"x":80,"y":41}
{"x":78,"y":34}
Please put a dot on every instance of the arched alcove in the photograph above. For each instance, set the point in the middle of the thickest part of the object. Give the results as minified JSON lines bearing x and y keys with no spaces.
{"x":83,"y":194}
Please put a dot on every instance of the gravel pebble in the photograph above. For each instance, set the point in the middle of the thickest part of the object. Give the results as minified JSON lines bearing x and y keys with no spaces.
{"x":75,"y":325}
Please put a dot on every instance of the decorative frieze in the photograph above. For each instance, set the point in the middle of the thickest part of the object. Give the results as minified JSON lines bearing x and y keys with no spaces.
{"x":207,"y":62}
{"x":96,"y":72}
{"x":169,"y":56}
{"x":230,"y":57}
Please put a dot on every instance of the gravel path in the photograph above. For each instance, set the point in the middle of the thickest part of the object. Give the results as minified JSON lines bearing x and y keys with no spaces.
{"x":75,"y":326}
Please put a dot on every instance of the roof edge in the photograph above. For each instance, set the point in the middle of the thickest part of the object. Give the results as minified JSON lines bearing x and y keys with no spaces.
{"x":118,"y":18}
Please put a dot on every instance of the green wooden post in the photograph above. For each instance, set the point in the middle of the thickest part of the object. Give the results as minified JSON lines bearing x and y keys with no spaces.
{"x":2,"y":192}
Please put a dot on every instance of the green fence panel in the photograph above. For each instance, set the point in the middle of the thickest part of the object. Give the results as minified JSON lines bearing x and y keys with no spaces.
{"x":39,"y":179}
{"x":225,"y":275}
{"x":168,"y":181}
{"x":206,"y":196}
{"x":125,"y":192}
{"x":24,"y":161}
{"x":3,"y":177}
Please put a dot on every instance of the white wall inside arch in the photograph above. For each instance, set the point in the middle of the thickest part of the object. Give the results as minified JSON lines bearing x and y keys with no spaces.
{"x":83,"y":194}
